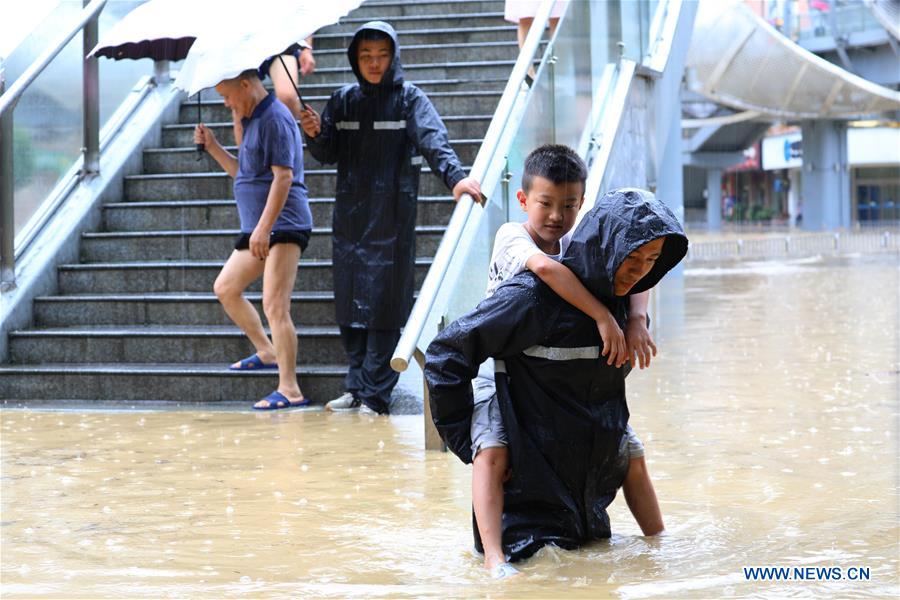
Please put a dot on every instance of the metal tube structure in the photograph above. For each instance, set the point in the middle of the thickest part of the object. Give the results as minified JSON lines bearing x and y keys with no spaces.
{"x":7,"y":187}
{"x":8,"y":100}
{"x":90,"y":83}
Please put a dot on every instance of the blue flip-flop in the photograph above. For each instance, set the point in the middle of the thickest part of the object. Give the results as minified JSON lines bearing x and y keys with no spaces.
{"x":252,"y":363}
{"x":277,"y":400}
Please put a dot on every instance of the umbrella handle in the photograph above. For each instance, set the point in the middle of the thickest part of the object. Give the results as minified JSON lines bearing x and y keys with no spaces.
{"x":200,"y":147}
{"x":296,"y":88}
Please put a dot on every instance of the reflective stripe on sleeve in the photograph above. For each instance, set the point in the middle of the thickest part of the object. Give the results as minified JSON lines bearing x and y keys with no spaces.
{"x":585,"y":352}
{"x":389,"y":124}
{"x":354,"y":125}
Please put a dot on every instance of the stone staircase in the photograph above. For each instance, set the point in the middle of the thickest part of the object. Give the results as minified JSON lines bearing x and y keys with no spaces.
{"x":136,"y":318}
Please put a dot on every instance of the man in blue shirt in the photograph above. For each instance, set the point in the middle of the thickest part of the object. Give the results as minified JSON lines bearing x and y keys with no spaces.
{"x":276,"y":222}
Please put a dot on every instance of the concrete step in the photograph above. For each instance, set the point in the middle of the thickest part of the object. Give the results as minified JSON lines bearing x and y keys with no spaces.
{"x":307,"y":309}
{"x":185,"y":160}
{"x":208,"y":245}
{"x":222,"y":214}
{"x":403,"y":23}
{"x":448,"y":70}
{"x":451,"y":71}
{"x":212,"y":186}
{"x":430,"y":53}
{"x":429,"y":86}
{"x":446,"y":103}
{"x":155,"y":344}
{"x":186,"y":276}
{"x":458,"y":127}
{"x":178,"y":382}
{"x":385,"y":10}
{"x":446,"y":33}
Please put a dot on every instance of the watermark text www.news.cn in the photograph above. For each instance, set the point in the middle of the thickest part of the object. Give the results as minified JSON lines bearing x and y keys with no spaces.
{"x":772,"y":573}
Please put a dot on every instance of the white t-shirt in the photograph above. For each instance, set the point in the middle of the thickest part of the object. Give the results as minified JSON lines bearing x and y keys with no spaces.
{"x":513,"y":247}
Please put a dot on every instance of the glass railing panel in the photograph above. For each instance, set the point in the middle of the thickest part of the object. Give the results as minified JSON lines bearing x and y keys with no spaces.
{"x":470,"y":288}
{"x":48,"y":119}
{"x":47,"y":131}
{"x":118,"y":77}
{"x":571,"y":76}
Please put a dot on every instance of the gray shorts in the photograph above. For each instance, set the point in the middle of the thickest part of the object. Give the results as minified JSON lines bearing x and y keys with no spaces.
{"x":635,"y":445}
{"x":488,"y":430}
{"x":487,"y":423}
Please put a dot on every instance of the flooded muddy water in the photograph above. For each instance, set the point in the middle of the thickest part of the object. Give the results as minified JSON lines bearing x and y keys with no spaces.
{"x":770,"y":419}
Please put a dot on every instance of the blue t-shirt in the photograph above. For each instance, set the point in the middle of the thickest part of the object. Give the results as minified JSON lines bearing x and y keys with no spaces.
{"x":271,"y":138}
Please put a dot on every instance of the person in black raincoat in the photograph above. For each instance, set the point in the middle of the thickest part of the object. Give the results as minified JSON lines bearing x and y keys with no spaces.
{"x":563,"y":407}
{"x":378,"y":132}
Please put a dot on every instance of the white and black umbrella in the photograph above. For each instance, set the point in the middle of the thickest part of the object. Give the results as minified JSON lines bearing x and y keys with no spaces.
{"x":159,"y":30}
{"x":241,"y":44}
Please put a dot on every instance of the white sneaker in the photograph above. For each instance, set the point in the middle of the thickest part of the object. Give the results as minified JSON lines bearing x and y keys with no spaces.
{"x":365,"y":410}
{"x":343,"y":403}
{"x":504,"y":570}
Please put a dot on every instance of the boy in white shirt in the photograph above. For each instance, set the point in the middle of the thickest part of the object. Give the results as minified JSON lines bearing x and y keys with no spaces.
{"x":552,"y":194}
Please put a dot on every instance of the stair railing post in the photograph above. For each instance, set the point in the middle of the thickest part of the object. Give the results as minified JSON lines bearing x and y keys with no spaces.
{"x":551,"y":73}
{"x":7,"y":192}
{"x":161,"y":73}
{"x":91,"y":97}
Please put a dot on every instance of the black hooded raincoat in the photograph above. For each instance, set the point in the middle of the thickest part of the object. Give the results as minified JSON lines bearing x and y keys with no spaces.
{"x":563,"y":407}
{"x":378,"y":135}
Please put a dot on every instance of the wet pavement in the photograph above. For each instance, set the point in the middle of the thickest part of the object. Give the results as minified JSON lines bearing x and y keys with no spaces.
{"x":770,"y":418}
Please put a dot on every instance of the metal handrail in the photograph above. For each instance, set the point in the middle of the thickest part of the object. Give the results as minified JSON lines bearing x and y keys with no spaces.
{"x":88,"y":21}
{"x":418,"y":317}
{"x":662,"y":33}
{"x":11,"y":96}
{"x":607,"y":128}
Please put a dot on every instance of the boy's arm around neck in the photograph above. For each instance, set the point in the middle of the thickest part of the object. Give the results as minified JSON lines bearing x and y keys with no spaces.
{"x":428,"y":133}
{"x":503,"y":325}
{"x":567,"y":286}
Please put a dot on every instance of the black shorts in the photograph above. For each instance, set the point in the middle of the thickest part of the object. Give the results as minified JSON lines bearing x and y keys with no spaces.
{"x":285,"y":236}
{"x":263,"y":70}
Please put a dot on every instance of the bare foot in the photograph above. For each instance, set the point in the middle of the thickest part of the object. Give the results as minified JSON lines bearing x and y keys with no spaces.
{"x":266,"y":359}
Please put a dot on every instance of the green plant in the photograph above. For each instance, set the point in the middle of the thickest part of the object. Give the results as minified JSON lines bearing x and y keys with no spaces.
{"x":23,"y":157}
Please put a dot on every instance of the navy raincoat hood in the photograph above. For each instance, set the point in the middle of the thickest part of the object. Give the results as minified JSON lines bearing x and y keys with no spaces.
{"x":394,"y":75}
{"x":379,"y":135}
{"x":563,"y":407}
{"x":622,"y":221}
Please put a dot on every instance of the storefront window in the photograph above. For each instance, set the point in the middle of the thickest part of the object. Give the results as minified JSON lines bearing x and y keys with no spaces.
{"x":876,"y":193}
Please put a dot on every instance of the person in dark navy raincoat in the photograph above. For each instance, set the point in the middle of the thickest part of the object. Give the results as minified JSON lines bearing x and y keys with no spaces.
{"x":378,"y":132}
{"x":564,"y":408}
